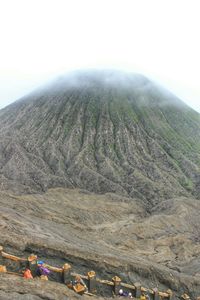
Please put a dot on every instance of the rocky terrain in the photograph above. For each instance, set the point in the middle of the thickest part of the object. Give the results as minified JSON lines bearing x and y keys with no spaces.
{"x":109,"y":234}
{"x":104,"y":132}
{"x":101,"y":170}
{"x":16,"y":288}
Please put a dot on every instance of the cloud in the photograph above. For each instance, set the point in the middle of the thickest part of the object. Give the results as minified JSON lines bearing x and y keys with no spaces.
{"x":42,"y":38}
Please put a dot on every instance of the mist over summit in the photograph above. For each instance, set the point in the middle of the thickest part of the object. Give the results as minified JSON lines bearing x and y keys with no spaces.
{"x":103,"y":131}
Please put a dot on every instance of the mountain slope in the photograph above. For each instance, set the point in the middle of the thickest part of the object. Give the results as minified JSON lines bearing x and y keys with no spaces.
{"x":110,"y":234}
{"x":103,"y":131}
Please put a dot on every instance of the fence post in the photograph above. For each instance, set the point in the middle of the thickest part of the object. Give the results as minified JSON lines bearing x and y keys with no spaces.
{"x":1,"y":249}
{"x":155,"y":294}
{"x":185,"y":297}
{"x":91,"y":281}
{"x":32,"y":264}
{"x":3,"y":269}
{"x":170,"y":294}
{"x":117,"y":284}
{"x":66,"y":273}
{"x":137,"y":289}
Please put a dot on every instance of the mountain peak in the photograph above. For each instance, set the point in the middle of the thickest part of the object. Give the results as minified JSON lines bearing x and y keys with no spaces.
{"x":104,"y":131}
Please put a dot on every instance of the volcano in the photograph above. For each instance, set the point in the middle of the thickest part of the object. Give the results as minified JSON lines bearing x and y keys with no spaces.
{"x":102,"y":131}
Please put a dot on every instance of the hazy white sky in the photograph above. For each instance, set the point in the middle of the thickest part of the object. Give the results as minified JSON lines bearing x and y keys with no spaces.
{"x":42,"y":38}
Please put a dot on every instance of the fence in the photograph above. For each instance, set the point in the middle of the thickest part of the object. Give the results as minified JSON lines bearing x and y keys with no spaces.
{"x":66,"y":276}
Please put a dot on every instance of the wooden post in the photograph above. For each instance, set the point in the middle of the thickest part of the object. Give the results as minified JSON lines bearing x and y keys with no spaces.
{"x":91,"y":281}
{"x":1,"y":249}
{"x":3,"y":269}
{"x":185,"y":297}
{"x":137,"y":289}
{"x":155,"y":294}
{"x":66,"y":273}
{"x":170,"y":294}
{"x":117,"y":284}
{"x":32,"y":264}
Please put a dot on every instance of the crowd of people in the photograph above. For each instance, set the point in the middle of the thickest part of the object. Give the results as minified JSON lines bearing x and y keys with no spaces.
{"x":41,"y":271}
{"x":77,"y":284}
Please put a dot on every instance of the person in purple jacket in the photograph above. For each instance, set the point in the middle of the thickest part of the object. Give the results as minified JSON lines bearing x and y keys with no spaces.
{"x":42,"y":270}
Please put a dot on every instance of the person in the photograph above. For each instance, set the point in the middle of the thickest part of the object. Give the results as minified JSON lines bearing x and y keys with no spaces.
{"x":27,"y":274}
{"x":147,"y":297}
{"x":142,"y":297}
{"x":130,"y":295}
{"x":42,"y":271}
{"x":79,"y":285}
{"x":125,"y":293}
{"x":185,"y":297}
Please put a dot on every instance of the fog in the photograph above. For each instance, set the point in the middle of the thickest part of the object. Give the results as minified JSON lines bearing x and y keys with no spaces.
{"x":42,"y":39}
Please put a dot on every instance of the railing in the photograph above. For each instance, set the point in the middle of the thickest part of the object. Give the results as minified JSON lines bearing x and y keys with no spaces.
{"x":92,"y":281}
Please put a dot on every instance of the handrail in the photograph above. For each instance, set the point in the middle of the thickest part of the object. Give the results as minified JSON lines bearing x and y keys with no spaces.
{"x":54,"y":269}
{"x":12,"y":257}
{"x":62,"y":270}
